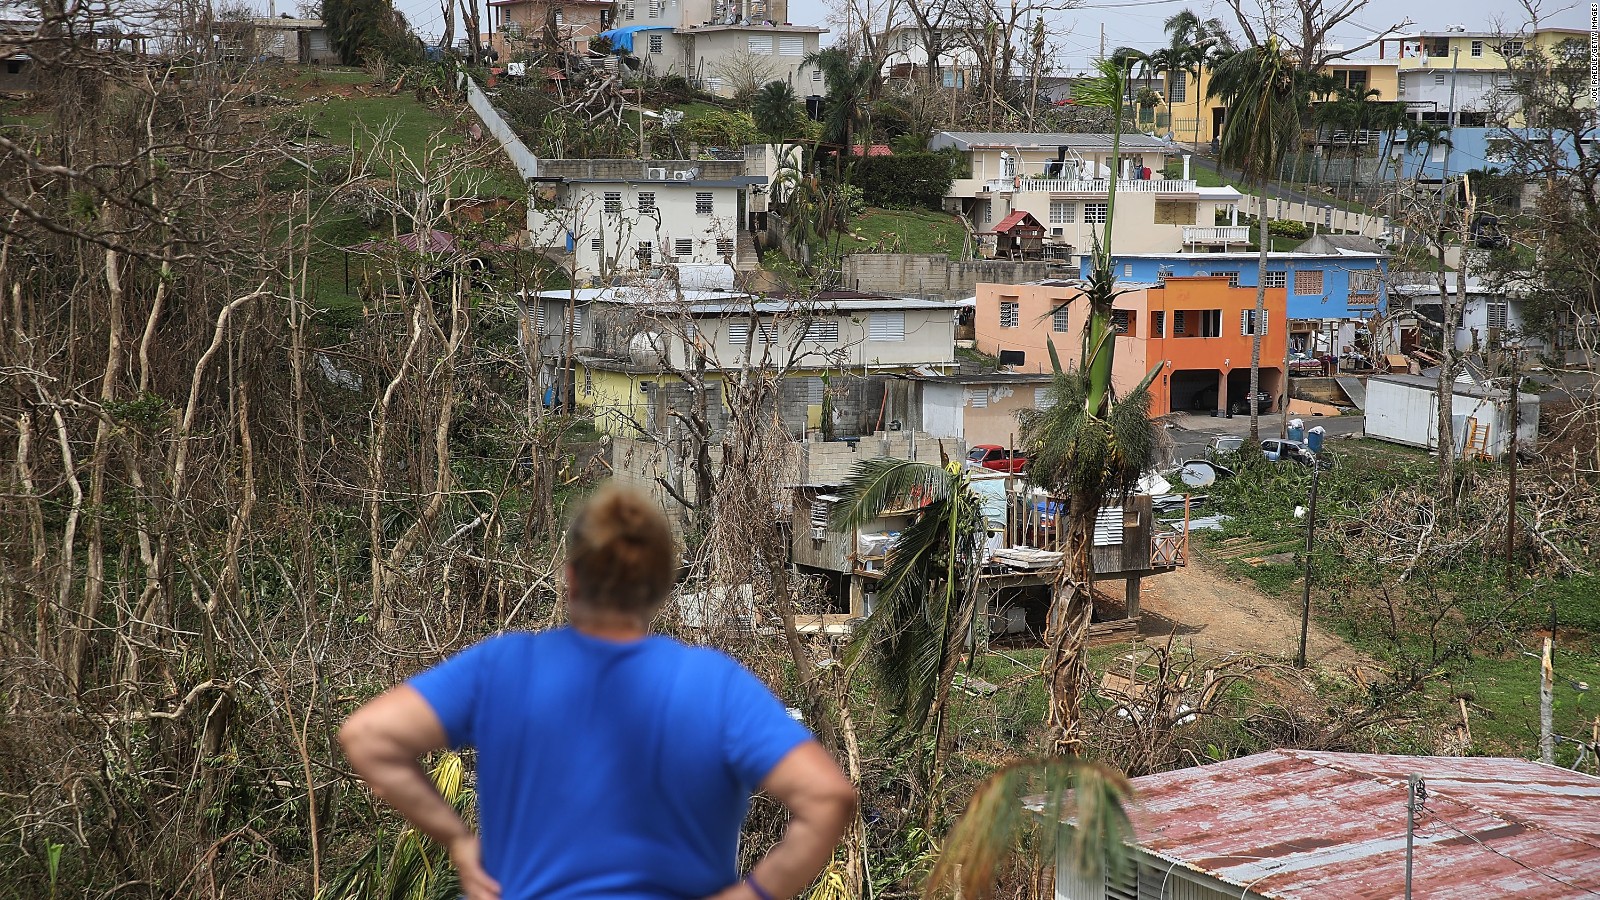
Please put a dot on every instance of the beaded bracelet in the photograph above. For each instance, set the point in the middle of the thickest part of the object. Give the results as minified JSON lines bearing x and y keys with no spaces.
{"x":761,"y":892}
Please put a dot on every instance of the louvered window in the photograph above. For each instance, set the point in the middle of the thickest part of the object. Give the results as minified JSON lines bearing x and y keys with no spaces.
{"x":724,"y":245}
{"x":1247,"y":321}
{"x":887,"y":326}
{"x":683,"y":246}
{"x":820,"y":331}
{"x":1158,"y":324}
{"x":977,"y":398}
{"x":647,"y":201}
{"x":821,"y":512}
{"x":791,"y":46}
{"x":702,"y":203}
{"x":738,"y":333}
{"x":1498,"y":313}
{"x":761,"y":44}
{"x":1119,"y":321}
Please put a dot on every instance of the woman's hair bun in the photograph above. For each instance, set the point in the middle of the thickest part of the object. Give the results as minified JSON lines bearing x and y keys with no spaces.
{"x":621,"y":550}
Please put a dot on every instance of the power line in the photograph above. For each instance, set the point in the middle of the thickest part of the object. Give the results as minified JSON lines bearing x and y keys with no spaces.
{"x":1474,"y":838}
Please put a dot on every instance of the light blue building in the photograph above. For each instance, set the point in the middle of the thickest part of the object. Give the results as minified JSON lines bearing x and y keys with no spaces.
{"x":1334,"y":285}
{"x":1470,"y":148}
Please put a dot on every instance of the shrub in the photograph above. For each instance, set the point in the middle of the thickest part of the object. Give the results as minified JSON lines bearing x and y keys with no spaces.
{"x":907,"y":180}
{"x":721,"y":128}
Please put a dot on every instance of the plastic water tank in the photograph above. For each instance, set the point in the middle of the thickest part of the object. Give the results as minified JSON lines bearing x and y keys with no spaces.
{"x":1297,"y":429}
{"x":1314,"y":439}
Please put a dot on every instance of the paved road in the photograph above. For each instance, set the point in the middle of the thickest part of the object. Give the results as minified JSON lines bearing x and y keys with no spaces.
{"x":1191,"y":432}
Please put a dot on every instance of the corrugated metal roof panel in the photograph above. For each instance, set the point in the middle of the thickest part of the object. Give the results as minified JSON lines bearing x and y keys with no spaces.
{"x":1300,"y":824}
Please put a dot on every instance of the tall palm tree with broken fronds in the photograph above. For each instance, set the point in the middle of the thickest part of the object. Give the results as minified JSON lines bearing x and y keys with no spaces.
{"x":928,"y":594}
{"x":1086,"y":445}
{"x":1261,"y":89}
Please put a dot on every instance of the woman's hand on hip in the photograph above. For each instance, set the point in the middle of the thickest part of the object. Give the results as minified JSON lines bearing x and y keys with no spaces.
{"x":475,"y":882}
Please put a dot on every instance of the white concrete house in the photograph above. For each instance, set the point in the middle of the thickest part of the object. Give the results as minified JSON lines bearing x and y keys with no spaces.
{"x":1063,"y":180}
{"x":721,"y":45}
{"x":611,"y":216}
{"x":907,"y":56}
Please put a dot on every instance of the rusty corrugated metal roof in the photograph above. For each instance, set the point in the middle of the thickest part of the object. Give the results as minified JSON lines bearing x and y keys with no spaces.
{"x":1300,"y":824}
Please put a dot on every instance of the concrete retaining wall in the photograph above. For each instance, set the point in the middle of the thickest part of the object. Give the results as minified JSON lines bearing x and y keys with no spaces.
{"x":935,"y":276}
{"x":527,"y":164}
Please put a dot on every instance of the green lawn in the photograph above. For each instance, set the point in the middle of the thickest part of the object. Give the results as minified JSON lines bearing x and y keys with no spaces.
{"x":1503,"y":702}
{"x":904,"y":231}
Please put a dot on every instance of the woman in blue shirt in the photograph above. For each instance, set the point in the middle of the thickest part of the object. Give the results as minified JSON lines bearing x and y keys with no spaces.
{"x":611,"y":763}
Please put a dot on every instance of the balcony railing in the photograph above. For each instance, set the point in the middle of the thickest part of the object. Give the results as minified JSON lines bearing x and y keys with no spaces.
{"x":1216,"y":234}
{"x":1088,"y":185}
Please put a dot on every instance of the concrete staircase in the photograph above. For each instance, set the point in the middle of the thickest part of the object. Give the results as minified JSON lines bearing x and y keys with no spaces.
{"x":745,"y":257}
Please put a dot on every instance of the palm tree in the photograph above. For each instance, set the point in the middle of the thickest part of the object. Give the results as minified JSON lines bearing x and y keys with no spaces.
{"x":850,"y":82}
{"x":1193,"y":43}
{"x":1388,"y":118}
{"x":1259,"y":88}
{"x":775,"y":112}
{"x":1084,"y":446}
{"x":928,"y":594}
{"x":998,"y":817}
{"x":1425,"y":136}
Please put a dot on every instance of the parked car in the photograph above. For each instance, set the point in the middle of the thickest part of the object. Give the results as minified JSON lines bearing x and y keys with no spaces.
{"x":1280,"y":450}
{"x":1224,"y":447}
{"x":996,"y":457}
{"x":1263,"y":405}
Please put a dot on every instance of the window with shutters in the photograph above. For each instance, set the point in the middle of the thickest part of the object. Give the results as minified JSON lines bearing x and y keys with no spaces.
{"x":1061,"y":319}
{"x":683,"y":247}
{"x":644,"y":252}
{"x":1009,"y":316}
{"x":655,"y":43}
{"x":791,"y":46}
{"x":627,"y":10}
{"x":1122,"y":321}
{"x":814,"y":391}
{"x":1277,"y":279}
{"x":1308,"y":281}
{"x":821,"y":512}
{"x":816,"y":76}
{"x":1063,"y":212}
{"x":613,"y":201}
{"x":769,"y":333}
{"x":761,"y":44}
{"x":738,"y":333}
{"x":1233,"y":278}
{"x":1127,"y":270}
{"x":886,"y":326}
{"x":822,"y":331}
{"x":561,"y":16}
{"x":577,"y":319}
{"x":1158,"y":324}
{"x":540,"y":325}
{"x":1247,"y":322}
{"x":724,"y":245}
{"x":655,"y":9}
{"x":702,"y":203}
{"x":978,"y":398}
{"x":1498,"y":313}
{"x":1438,"y":79}
{"x":647,"y":201}
{"x":595,"y":244}
{"x":588,"y":380}
{"x":1094,"y":213}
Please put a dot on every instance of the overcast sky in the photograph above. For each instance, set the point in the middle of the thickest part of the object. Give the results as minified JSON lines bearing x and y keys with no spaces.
{"x":1138,"y":22}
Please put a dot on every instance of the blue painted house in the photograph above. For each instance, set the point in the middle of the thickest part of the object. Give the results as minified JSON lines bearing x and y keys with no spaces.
{"x":1341,"y":284}
{"x":1469,"y":148}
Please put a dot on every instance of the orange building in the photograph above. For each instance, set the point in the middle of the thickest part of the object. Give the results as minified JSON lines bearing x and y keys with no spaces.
{"x":1199,"y":328}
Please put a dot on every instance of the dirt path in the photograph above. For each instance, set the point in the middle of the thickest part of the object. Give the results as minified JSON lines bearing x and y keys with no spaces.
{"x":1221,"y":614}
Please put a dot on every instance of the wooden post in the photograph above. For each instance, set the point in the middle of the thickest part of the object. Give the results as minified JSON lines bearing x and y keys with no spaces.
{"x":1311,"y":537}
{"x":1547,"y":733}
{"x":1130,"y":596}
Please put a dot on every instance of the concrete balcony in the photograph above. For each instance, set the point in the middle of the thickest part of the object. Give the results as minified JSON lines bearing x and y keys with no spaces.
{"x":1088,"y":185}
{"x":1216,"y":234}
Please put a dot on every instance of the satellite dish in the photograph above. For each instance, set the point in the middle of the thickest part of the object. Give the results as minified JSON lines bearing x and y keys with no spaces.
{"x":1197,"y":473}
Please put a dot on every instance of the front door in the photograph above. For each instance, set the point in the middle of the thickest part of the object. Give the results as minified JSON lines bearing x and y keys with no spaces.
{"x":1218,"y":114}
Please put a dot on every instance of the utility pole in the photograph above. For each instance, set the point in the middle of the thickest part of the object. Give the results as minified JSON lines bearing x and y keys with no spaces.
{"x":1102,"y":40}
{"x":1311,"y":537}
{"x":1416,"y":795}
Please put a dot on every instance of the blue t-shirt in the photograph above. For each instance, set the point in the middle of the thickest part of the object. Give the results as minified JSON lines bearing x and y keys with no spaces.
{"x":607,"y":769}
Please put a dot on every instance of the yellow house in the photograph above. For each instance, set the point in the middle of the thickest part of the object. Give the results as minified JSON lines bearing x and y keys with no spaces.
{"x":1197,"y":118}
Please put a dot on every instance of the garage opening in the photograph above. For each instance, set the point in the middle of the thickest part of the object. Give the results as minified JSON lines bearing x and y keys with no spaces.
{"x":1193,"y":390}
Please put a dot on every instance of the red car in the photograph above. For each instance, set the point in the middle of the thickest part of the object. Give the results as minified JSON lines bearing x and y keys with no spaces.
{"x":996,"y":457}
